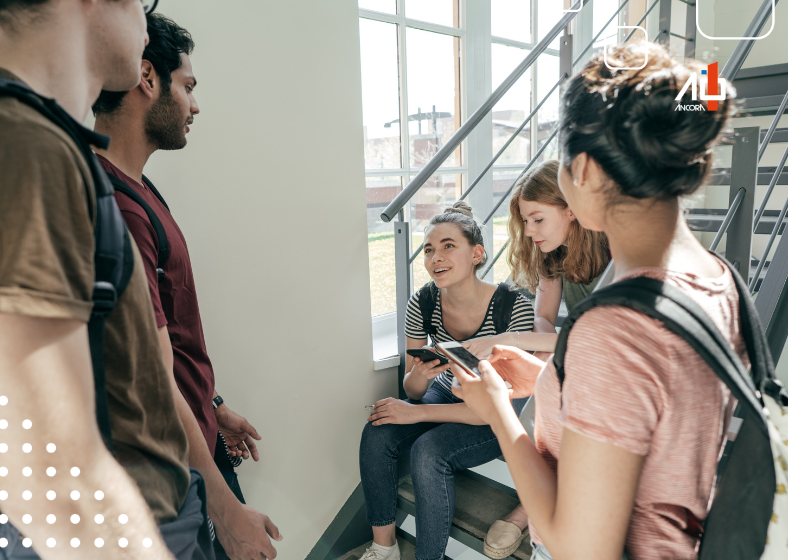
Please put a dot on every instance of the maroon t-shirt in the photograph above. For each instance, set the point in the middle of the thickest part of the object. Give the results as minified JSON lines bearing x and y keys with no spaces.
{"x":174,"y":300}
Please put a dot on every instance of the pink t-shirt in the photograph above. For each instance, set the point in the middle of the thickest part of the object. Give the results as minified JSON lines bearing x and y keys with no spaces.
{"x":631,"y":382}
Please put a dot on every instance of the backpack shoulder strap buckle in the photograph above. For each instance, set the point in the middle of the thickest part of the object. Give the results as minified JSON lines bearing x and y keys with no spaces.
{"x":104,"y":298}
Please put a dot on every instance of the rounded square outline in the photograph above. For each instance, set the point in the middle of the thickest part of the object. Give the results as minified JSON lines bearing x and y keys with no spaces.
{"x":697,"y":24}
{"x":645,"y":33}
{"x":570,"y":11}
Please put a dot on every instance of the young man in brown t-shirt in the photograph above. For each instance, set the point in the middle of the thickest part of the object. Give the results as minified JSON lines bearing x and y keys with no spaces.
{"x":156,"y":116}
{"x":58,"y":482}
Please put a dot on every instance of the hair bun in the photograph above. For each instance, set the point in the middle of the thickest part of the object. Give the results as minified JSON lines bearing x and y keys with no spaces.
{"x":460,"y":207}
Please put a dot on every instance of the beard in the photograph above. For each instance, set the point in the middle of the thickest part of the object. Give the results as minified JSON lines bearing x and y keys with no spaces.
{"x":164,"y":123}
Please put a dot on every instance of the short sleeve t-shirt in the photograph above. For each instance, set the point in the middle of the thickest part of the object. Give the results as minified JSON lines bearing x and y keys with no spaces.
{"x":174,"y":300}
{"x":631,"y":382}
{"x":522,"y":320}
{"x":46,"y":270}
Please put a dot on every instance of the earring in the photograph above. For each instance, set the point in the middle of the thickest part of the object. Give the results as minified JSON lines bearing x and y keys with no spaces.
{"x":574,"y":182}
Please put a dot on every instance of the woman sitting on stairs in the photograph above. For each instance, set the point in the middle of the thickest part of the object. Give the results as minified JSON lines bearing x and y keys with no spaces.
{"x":443,"y":435}
{"x":550,"y":253}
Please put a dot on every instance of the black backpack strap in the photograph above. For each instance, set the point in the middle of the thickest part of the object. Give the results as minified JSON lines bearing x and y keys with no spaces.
{"x":504,"y":299}
{"x":155,"y":191}
{"x":113,"y":257}
{"x":428,"y":296}
{"x":158,"y":228}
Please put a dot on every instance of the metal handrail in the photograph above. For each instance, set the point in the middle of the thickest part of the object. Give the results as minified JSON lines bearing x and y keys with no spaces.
{"x":454,"y":142}
{"x":495,"y":259}
{"x":527,"y":167}
{"x":728,"y":217}
{"x":744,"y":46}
{"x":591,"y":43}
{"x":772,"y":237}
{"x":500,"y":152}
{"x":773,"y":126}
{"x":772,"y":183}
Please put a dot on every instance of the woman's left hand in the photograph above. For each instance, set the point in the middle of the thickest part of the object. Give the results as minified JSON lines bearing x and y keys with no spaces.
{"x":394,"y":411}
{"x":487,"y":396}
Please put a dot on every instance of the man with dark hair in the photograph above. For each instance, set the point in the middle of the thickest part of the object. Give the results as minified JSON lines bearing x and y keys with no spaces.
{"x":156,"y":116}
{"x":79,"y":359}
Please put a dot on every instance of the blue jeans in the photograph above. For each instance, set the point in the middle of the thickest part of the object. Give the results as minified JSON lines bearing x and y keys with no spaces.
{"x":437,"y":452}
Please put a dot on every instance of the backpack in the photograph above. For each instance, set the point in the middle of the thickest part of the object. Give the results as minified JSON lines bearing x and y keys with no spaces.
{"x":749,"y":498}
{"x":158,"y":228}
{"x":113,"y":258}
{"x":504,"y":299}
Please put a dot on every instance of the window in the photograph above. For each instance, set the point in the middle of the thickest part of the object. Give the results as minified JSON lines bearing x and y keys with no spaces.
{"x":430,"y":63}
{"x":410,"y":65}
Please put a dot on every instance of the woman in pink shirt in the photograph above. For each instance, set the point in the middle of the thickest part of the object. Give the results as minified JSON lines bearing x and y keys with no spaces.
{"x":626,"y":451}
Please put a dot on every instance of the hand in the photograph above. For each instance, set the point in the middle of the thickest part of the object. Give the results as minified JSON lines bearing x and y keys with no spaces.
{"x":244,"y":533}
{"x":238,"y":433}
{"x":487,"y":396}
{"x":482,"y":347}
{"x":429,"y":369}
{"x":517,"y":367}
{"x":394,"y":411}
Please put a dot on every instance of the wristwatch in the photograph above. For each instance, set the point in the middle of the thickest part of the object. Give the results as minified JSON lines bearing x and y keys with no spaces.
{"x":217,"y":402}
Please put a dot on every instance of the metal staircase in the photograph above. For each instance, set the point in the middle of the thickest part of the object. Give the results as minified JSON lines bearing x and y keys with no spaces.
{"x":487,"y":493}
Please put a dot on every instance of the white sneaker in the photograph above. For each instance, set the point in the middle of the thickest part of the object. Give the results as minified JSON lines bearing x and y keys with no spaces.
{"x":376,"y":552}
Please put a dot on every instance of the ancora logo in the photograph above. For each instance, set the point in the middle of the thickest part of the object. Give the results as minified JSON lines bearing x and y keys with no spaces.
{"x":709,"y":90}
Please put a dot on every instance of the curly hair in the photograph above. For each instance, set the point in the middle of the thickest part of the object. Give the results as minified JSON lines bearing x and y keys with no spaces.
{"x":583,"y":258}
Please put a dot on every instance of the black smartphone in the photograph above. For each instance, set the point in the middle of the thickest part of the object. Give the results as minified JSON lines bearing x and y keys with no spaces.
{"x":427,"y":355}
{"x":462,"y":356}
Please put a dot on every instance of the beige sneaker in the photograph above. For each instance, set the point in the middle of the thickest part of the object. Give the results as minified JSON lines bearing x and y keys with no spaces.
{"x":376,"y":552}
{"x":502,"y":539}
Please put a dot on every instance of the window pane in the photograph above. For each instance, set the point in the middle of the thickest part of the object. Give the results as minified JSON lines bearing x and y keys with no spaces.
{"x":502,"y":181}
{"x":387,"y":6}
{"x":511,"y":19}
{"x":603,"y":11}
{"x":433,"y":94}
{"x":437,"y":194}
{"x":433,"y":11}
{"x":381,"y":191}
{"x":548,"y":13}
{"x":547,"y":74}
{"x":380,"y":94}
{"x":511,"y":110}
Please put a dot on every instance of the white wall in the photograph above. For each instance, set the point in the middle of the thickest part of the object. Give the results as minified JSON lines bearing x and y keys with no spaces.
{"x":270,"y":195}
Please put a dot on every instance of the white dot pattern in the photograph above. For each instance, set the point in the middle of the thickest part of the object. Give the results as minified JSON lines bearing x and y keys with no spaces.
{"x":123,"y":518}
{"x":3,"y":400}
{"x":51,"y":447}
{"x":3,"y":519}
{"x":27,"y":543}
{"x":51,"y":519}
{"x":99,"y":543}
{"x":3,"y":543}
{"x":51,"y":495}
{"x":75,"y":495}
{"x":99,"y":519}
{"x":74,"y":471}
{"x":51,"y":471}
{"x":75,"y":542}
{"x":3,"y":471}
{"x":27,"y":471}
{"x":3,"y":424}
{"x":27,"y":448}
{"x":27,"y":494}
{"x":27,"y":519}
{"x":51,"y":543}
{"x":147,"y":543}
{"x":99,"y":495}
{"x":3,"y":447}
{"x":27,"y":424}
{"x":123,"y":543}
{"x":75,"y":519}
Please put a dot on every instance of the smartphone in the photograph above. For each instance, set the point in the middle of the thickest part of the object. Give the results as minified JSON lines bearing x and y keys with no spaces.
{"x":458,"y":353}
{"x":427,"y":355}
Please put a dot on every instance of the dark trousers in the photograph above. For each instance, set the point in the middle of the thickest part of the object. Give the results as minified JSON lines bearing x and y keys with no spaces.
{"x":222,"y":461}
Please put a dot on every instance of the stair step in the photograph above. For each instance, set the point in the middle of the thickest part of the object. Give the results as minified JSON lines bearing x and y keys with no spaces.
{"x":477,"y":507}
{"x":406,"y":549}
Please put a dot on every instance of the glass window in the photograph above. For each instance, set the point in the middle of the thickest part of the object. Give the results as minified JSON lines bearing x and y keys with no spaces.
{"x":380,"y":94}
{"x":510,"y":112}
{"x":433,"y":94}
{"x":386,"y":6}
{"x":442,"y":12}
{"x":548,"y":13}
{"x":603,"y":11}
{"x":547,"y":74}
{"x":511,"y":19}
{"x":380,"y":239}
{"x":437,"y":194}
{"x":502,"y":181}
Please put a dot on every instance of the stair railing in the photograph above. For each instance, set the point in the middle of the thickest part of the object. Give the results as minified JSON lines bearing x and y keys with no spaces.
{"x":776,"y":176}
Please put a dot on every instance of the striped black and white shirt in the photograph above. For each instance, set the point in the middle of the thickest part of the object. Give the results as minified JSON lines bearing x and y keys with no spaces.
{"x":522,"y":320}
